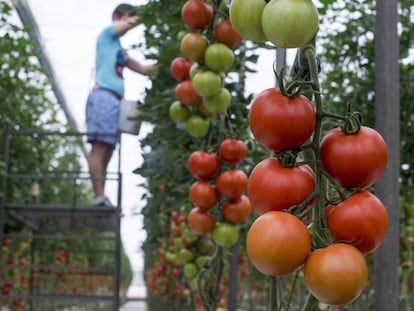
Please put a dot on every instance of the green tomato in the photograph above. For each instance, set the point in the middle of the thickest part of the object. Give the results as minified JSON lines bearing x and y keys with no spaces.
{"x":197,"y":126}
{"x":207,"y":83}
{"x":190,"y":270}
{"x":225,"y":234}
{"x":246,"y":18}
{"x":178,"y":112}
{"x":185,"y":255}
{"x":290,"y":23}
{"x":201,"y":260}
{"x":219,"y":57}
{"x":218,"y":103}
{"x":181,"y":34}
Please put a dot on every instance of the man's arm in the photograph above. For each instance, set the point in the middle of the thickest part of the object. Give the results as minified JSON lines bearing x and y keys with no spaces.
{"x":140,"y":68}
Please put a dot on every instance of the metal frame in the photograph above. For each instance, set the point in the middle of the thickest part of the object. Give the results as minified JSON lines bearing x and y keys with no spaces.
{"x":78,"y":222}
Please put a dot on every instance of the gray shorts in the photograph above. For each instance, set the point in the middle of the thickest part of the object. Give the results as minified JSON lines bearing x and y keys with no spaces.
{"x":102,"y":110}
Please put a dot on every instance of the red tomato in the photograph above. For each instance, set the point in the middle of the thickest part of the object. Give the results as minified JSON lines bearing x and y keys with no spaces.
{"x":197,"y":14}
{"x":180,"y":68}
{"x":237,"y":211}
{"x":185,"y":93}
{"x":272,"y":187}
{"x":225,"y":33}
{"x":232,"y":183}
{"x":233,"y":150}
{"x":203,"y":195}
{"x":360,"y":220}
{"x":277,"y":243}
{"x":354,"y":160}
{"x":193,"y":45}
{"x":279,"y":122}
{"x":200,"y":222}
{"x":336,"y":274}
{"x":203,"y":165}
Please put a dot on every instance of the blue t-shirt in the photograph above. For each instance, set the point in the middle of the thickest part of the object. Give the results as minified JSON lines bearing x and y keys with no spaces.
{"x":110,"y":61}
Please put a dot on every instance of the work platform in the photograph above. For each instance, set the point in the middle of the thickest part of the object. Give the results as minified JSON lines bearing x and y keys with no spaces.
{"x":59,"y":252}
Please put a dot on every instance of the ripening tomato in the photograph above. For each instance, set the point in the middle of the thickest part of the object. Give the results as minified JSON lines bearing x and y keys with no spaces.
{"x":237,"y":211}
{"x":203,"y":195}
{"x":232,"y":183}
{"x":197,"y":14}
{"x":279,"y":122}
{"x":233,"y":150}
{"x":272,"y":187}
{"x":202,"y":109}
{"x":246,"y":18}
{"x":203,"y":165}
{"x":360,"y":220}
{"x":354,"y":160}
{"x":277,"y":243}
{"x":185,"y":93}
{"x":225,"y":33}
{"x":180,"y":68}
{"x":290,"y":24}
{"x":200,"y":221}
{"x":336,"y":274}
{"x":193,"y":46}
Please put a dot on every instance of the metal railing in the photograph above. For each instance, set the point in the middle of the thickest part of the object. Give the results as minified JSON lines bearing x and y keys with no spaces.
{"x":64,"y":251}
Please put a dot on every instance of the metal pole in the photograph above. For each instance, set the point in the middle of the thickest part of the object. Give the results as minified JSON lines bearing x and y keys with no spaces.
{"x":387,"y":113}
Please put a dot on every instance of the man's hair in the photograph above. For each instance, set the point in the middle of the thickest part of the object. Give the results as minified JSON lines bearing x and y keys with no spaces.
{"x":123,"y":8}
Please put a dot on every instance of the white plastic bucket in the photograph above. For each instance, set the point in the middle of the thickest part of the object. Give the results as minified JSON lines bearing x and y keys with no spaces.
{"x":127,"y":122}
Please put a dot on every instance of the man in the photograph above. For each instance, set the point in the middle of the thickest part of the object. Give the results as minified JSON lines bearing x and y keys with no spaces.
{"x":103,"y":102}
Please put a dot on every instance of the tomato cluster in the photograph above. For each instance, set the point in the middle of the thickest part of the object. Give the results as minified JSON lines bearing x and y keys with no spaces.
{"x":285,"y":23}
{"x":314,"y":192}
{"x":200,"y":71}
{"x":222,"y":188}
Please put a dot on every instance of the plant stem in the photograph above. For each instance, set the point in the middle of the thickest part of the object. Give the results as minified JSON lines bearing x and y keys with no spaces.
{"x":273,"y":301}
{"x":311,"y":304}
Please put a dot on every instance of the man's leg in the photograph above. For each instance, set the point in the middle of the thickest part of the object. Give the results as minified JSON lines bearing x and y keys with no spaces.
{"x":98,"y":160}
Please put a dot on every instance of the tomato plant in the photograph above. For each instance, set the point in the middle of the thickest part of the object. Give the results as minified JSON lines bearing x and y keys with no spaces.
{"x":232,"y":183}
{"x":272,"y":187}
{"x":290,"y":24}
{"x":336,"y":274}
{"x":233,"y":150}
{"x":279,"y":122}
{"x":203,"y":165}
{"x":354,"y":160}
{"x":277,"y":243}
{"x":360,"y":220}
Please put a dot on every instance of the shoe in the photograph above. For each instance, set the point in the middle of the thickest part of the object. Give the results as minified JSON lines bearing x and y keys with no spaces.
{"x":103,"y":201}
